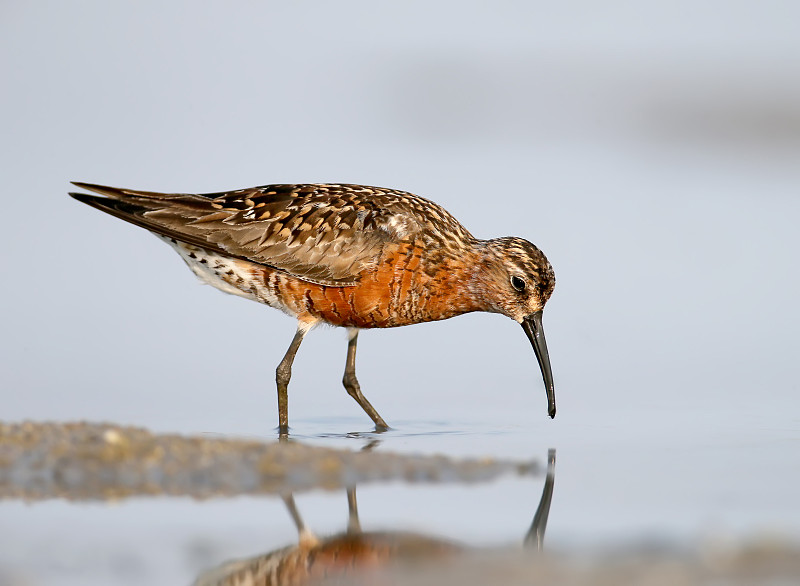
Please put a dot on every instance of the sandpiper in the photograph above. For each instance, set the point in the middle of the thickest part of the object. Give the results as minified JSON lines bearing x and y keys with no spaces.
{"x":346,"y":255}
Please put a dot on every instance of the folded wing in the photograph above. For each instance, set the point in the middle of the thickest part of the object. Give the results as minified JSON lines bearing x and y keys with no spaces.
{"x":326,"y":234}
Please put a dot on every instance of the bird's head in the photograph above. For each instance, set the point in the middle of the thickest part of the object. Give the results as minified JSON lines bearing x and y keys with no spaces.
{"x":519,"y":280}
{"x":521,"y":277}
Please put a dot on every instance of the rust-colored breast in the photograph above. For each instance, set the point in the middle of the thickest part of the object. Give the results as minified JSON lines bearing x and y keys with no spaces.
{"x":406,"y":285}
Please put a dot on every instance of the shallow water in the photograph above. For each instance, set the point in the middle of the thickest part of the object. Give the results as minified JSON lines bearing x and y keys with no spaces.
{"x":716,"y":487}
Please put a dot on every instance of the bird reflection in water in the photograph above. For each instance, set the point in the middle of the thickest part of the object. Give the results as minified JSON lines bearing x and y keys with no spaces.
{"x":355,"y":555}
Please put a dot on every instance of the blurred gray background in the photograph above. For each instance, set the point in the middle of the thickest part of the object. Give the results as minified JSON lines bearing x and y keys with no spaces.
{"x":652,"y":151}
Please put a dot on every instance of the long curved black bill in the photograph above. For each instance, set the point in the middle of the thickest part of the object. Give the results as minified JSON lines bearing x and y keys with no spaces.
{"x":535,"y":536}
{"x":532,"y":325}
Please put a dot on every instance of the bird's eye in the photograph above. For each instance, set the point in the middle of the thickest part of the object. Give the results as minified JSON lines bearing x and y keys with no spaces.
{"x":518,"y":283}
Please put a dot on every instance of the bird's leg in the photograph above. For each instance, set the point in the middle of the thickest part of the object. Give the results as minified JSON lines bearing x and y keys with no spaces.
{"x":282,"y":375}
{"x":353,"y":524}
{"x":351,"y":382}
{"x":306,"y":538}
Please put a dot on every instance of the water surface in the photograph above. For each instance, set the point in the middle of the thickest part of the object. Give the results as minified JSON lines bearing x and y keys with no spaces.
{"x":713,"y":490}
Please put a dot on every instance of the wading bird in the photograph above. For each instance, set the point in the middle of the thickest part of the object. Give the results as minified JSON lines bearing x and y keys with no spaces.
{"x":346,"y":255}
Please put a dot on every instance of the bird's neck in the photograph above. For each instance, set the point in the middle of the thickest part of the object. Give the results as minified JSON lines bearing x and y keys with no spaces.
{"x":472,"y":280}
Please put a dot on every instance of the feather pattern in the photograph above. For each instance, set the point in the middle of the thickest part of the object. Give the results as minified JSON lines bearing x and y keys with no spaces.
{"x":327,"y":234}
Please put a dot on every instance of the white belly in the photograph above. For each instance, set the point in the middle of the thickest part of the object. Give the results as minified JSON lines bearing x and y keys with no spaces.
{"x":227,"y":274}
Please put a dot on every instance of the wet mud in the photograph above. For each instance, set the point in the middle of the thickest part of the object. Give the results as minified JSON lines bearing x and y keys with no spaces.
{"x":84,"y":461}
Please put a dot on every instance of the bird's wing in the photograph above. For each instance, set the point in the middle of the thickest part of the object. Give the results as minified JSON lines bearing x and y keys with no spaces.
{"x":321,"y":233}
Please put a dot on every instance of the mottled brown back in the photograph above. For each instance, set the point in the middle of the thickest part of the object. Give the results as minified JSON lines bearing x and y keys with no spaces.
{"x":327,"y":234}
